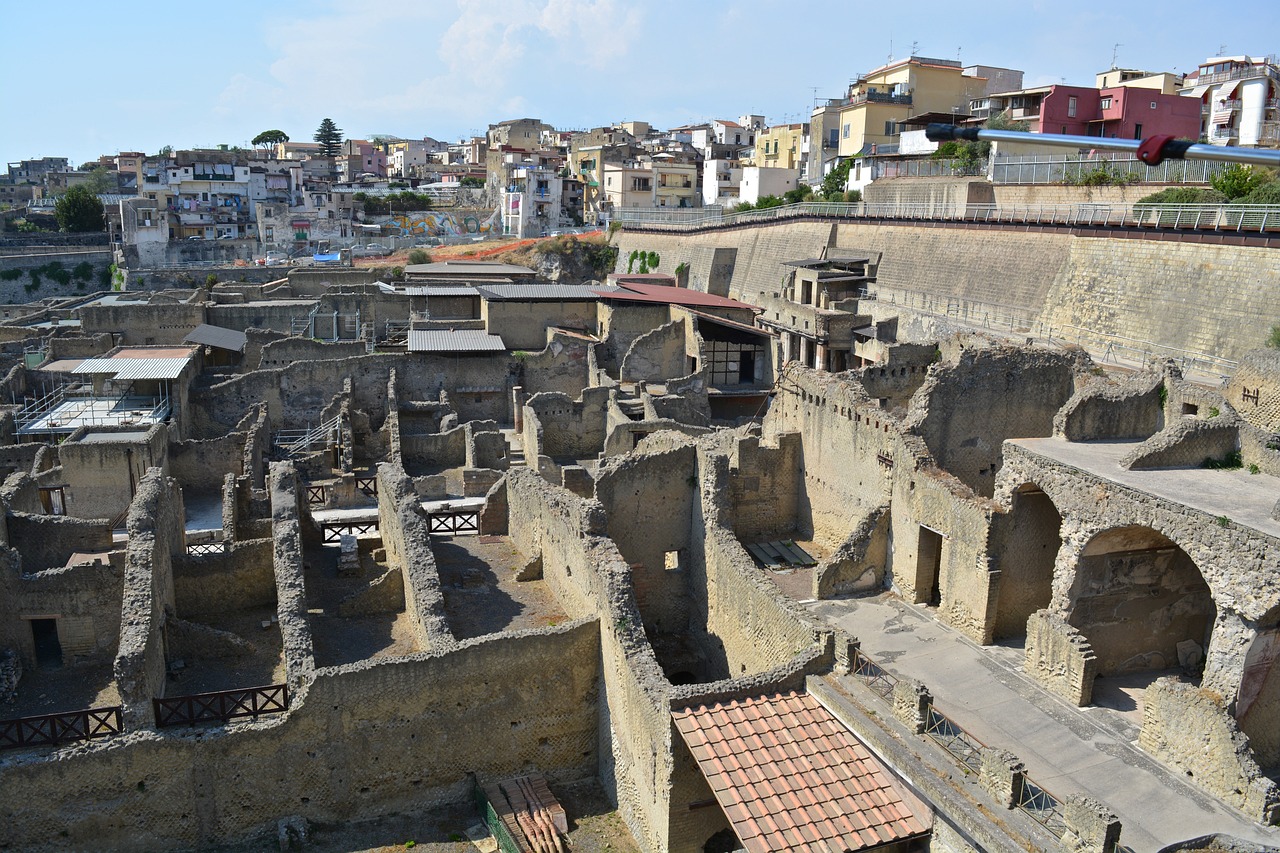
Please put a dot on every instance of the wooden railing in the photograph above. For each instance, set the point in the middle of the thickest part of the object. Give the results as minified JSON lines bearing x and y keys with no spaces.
{"x":53,"y":729}
{"x":221,"y":705}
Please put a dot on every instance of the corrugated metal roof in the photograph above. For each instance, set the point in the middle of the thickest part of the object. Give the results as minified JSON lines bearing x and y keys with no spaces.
{"x":540,"y":292}
{"x":671,"y":296}
{"x":441,"y":290}
{"x":135,"y":368}
{"x":217,"y":336}
{"x":468,"y":268}
{"x":824,"y":790}
{"x":461,"y":340}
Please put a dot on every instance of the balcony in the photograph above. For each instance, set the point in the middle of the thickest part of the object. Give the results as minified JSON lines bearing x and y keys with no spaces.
{"x":1228,"y":106}
{"x":211,"y":176}
{"x":879,"y":98}
{"x":1268,"y":70}
{"x":1224,"y":132}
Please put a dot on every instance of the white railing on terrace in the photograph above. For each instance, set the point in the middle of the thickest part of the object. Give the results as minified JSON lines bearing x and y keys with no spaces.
{"x":1057,"y":169}
{"x":1226,"y":217}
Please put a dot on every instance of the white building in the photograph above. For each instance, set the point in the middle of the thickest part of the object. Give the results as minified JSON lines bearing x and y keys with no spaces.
{"x":1240,"y":98}
{"x":721,"y":182}
{"x":758,"y":182}
{"x":532,"y":201}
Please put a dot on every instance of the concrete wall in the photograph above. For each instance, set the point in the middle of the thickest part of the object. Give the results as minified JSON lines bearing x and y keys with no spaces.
{"x":1201,"y":297}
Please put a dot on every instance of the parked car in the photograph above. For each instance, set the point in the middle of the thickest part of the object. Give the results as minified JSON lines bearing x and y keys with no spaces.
{"x":372,"y":250}
{"x":273,"y":259}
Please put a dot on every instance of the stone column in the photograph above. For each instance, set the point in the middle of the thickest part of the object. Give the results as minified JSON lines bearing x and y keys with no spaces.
{"x":846,"y":652}
{"x":1225,"y":658}
{"x":820,"y":356}
{"x":517,"y":403}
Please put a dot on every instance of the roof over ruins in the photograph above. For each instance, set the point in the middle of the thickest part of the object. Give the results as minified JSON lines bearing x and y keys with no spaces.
{"x":790,"y":776}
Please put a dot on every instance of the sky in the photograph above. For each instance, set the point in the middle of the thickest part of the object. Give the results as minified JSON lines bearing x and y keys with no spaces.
{"x":101,"y":79}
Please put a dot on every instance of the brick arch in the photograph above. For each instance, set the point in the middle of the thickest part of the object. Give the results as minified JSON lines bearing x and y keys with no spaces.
{"x":1135,"y":594}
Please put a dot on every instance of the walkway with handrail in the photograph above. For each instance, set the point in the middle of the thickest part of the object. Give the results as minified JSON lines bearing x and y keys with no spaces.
{"x":1068,"y":749}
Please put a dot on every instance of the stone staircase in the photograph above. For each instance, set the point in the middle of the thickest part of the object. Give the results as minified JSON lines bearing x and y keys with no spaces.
{"x":515,"y":448}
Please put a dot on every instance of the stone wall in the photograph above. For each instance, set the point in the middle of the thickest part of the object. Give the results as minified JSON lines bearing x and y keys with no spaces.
{"x":404,"y":535}
{"x":1101,"y":409}
{"x":1190,"y":729}
{"x":1194,"y":296}
{"x":370,"y":739}
{"x":85,"y":599}
{"x":564,"y":365}
{"x":589,"y":576}
{"x":523,"y":325}
{"x":142,"y":323}
{"x":764,"y":486}
{"x":561,"y":428}
{"x":290,"y":522}
{"x":964,"y":411}
{"x":239,"y":578}
{"x":656,"y":355}
{"x":101,"y":476}
{"x":155,"y":536}
{"x":648,"y":497}
{"x":85,"y":270}
{"x":48,"y":541}
{"x":1254,"y":389}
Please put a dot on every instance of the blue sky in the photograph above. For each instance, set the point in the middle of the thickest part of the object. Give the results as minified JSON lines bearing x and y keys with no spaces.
{"x":140,"y":76}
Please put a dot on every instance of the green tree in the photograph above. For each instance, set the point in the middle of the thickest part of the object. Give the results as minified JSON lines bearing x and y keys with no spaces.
{"x":801,"y":193}
{"x":269,"y":138}
{"x":100,"y":181}
{"x":418,"y":256}
{"x":78,"y":209}
{"x":329,"y":135}
{"x":833,"y":184}
{"x":1237,"y":180}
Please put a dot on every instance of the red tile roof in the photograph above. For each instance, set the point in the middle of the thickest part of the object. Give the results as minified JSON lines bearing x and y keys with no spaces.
{"x":790,"y":776}
{"x":632,"y":291}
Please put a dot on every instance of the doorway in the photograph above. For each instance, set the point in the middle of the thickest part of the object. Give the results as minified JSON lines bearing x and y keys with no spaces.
{"x":928,"y":567}
{"x":48,"y":650}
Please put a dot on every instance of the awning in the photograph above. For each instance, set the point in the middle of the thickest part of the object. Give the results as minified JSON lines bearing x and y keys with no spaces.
{"x":790,"y":776}
{"x":865,"y":331}
{"x":218,"y":337}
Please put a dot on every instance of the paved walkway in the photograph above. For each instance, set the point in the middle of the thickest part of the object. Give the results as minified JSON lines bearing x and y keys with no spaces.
{"x":1066,"y":749}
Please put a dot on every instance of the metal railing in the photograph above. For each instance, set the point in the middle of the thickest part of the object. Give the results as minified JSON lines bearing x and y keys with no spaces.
{"x":1237,"y":218}
{"x":53,"y":729}
{"x":293,"y":442}
{"x":1032,"y":799}
{"x":221,"y":705}
{"x":1058,"y":169}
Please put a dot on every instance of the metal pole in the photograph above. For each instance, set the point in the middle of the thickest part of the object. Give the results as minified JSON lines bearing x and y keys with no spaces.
{"x":1175,"y":149}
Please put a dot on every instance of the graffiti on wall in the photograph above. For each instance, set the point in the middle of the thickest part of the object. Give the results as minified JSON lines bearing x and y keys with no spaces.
{"x":444,"y":224}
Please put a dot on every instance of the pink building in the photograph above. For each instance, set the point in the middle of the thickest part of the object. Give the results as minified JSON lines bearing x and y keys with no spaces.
{"x":1119,"y":111}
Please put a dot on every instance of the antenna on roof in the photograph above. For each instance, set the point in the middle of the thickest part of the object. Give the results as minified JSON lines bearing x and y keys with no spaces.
{"x":914,"y":46}
{"x":1114,"y":52}
{"x":1222,"y":50}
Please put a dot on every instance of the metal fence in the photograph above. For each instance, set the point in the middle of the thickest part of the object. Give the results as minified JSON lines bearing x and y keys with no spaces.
{"x":496,"y":827}
{"x":1102,"y":168}
{"x":966,"y":749}
{"x":53,"y":729}
{"x":1238,"y":218}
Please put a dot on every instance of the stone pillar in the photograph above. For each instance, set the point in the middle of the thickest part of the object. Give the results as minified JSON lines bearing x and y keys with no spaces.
{"x":1228,"y":650}
{"x":804,"y":350}
{"x":846,"y":652}
{"x":517,"y":405}
{"x":1059,"y":657}
{"x":911,"y":703}
{"x":1091,"y":827}
{"x":820,"y":356}
{"x":1002,"y":776}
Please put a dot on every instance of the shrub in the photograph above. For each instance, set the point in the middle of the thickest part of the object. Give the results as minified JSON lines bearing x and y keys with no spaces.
{"x":1237,"y":181}
{"x":1273,"y":339}
{"x":419,"y":256}
{"x":1268,"y":193}
{"x":14,"y":275}
{"x":210,"y":280}
{"x":1184,"y":195}
{"x":83,"y":271}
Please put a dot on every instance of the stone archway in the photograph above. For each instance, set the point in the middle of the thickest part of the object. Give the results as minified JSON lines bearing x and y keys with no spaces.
{"x":1141,"y":602}
{"x":1032,"y":538}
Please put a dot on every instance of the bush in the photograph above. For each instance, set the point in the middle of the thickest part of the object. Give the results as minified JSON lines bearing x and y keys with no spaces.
{"x":1268,"y":193}
{"x":1273,"y":339}
{"x":1184,"y":195}
{"x":210,"y":280}
{"x":853,"y":196}
{"x":419,"y":256}
{"x":1237,"y":181}
{"x":83,"y":271}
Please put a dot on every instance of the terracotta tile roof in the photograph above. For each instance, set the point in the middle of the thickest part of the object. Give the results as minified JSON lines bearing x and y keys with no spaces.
{"x":790,"y":776}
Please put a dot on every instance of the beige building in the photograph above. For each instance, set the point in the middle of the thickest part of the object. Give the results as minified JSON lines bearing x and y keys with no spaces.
{"x":782,"y":146}
{"x":656,"y":182}
{"x":1164,"y":82}
{"x":879,"y":100}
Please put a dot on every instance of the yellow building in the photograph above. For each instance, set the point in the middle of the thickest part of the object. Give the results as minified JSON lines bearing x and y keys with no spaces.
{"x":781,"y":146}
{"x":880,"y":99}
{"x":1163,"y":82}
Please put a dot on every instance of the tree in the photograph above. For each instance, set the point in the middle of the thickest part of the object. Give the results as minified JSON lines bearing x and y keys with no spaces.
{"x":100,"y":181}
{"x":833,"y":184}
{"x":329,"y":135}
{"x":79,"y":209}
{"x":269,"y":138}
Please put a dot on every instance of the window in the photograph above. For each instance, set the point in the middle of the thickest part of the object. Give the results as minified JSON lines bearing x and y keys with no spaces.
{"x":270,"y":234}
{"x":1071,"y":107}
{"x":1106,"y":103}
{"x":1153,"y":105}
{"x":834,"y":135}
{"x":1137,"y":131}
{"x":890,"y":128}
{"x":846,"y":131}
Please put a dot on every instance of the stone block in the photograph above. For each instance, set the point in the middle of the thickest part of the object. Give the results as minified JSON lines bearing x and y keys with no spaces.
{"x":911,"y":703}
{"x":1002,"y":776}
{"x":1091,"y":827}
{"x":1060,"y":658}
